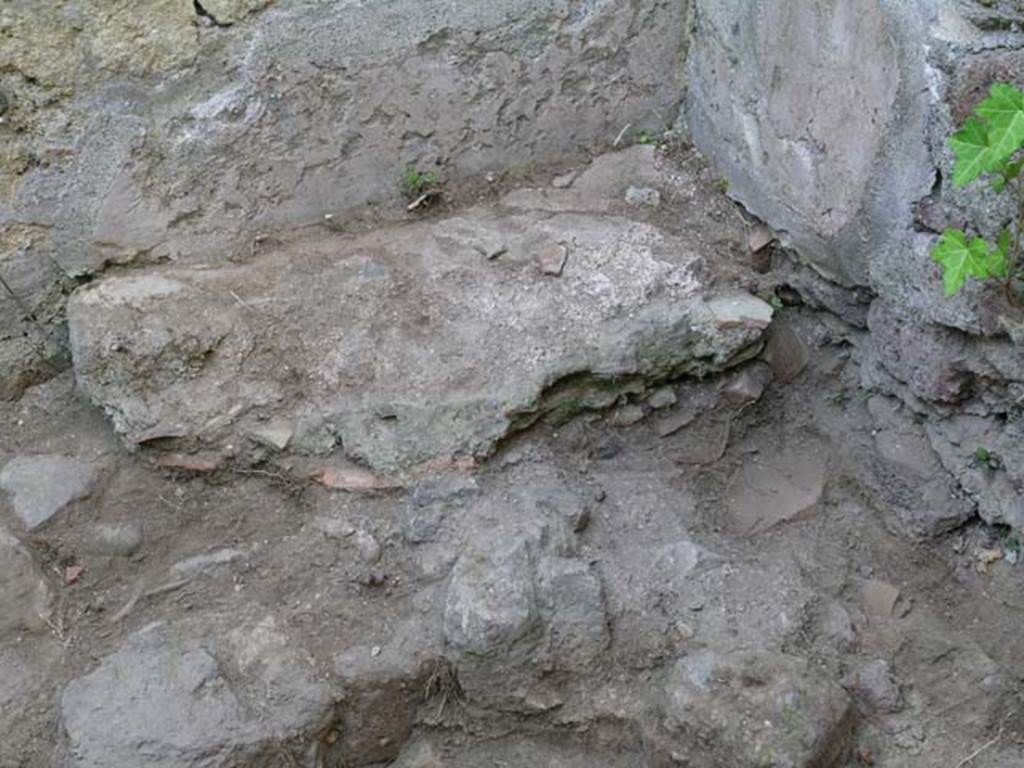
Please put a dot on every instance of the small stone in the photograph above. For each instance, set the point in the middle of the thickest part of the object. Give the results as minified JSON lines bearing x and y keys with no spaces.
{"x":704,"y":441}
{"x":42,"y":486}
{"x":73,"y":573}
{"x":276,"y":434}
{"x":786,"y":352}
{"x":368,"y":546}
{"x":564,"y":181}
{"x":877,"y":688}
{"x":661,"y":398}
{"x":747,"y":386}
{"x":628,"y":415}
{"x":551,"y":259}
{"x":777,"y":489}
{"x":741,"y":311}
{"x":375,"y":651}
{"x":761,"y":236}
{"x":684,"y":630}
{"x":643,"y":196}
{"x":335,"y":528}
{"x":879,"y":598}
{"x":207,"y":561}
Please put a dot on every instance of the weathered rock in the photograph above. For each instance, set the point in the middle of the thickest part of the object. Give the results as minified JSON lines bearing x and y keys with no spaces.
{"x":550,"y":259}
{"x":276,"y":434}
{"x":849,"y":304}
{"x":408,"y":359}
{"x":877,"y":688}
{"x":661,"y":398}
{"x":930,"y":361}
{"x":786,"y":352}
{"x":24,"y":594}
{"x":907,"y":477}
{"x":42,"y":486}
{"x":783,"y":487}
{"x":747,"y":386}
{"x":491,"y":601}
{"x":755,"y":708}
{"x":563,"y":504}
{"x":160,"y":701}
{"x":986,"y":457}
{"x":703,"y":441}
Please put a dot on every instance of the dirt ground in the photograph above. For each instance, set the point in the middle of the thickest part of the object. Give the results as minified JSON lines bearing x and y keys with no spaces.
{"x":831,"y":578}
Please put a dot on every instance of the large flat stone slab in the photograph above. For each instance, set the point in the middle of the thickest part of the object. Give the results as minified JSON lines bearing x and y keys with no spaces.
{"x":163,"y":701}
{"x":404,"y":345}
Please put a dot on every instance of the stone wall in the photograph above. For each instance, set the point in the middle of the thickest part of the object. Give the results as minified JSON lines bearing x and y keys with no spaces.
{"x":167,"y":129}
{"x":830,"y":120}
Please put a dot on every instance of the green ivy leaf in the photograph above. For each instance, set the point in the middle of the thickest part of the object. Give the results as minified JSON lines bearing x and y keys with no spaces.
{"x":1003,"y":113}
{"x":976,"y":258}
{"x":999,"y":258}
{"x":971,"y":147}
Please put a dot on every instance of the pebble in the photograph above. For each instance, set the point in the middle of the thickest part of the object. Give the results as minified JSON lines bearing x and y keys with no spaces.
{"x":564,"y":181}
{"x":551,"y":259}
{"x":643,"y":196}
{"x":876,"y":685}
{"x":276,"y":434}
{"x":369,"y":547}
{"x":662,"y":397}
{"x":628,"y":415}
{"x":209,"y":560}
{"x":747,"y":386}
{"x":879,"y":598}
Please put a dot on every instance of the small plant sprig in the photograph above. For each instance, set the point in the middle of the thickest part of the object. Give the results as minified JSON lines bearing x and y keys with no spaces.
{"x":416,"y":183}
{"x":989,"y":143}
